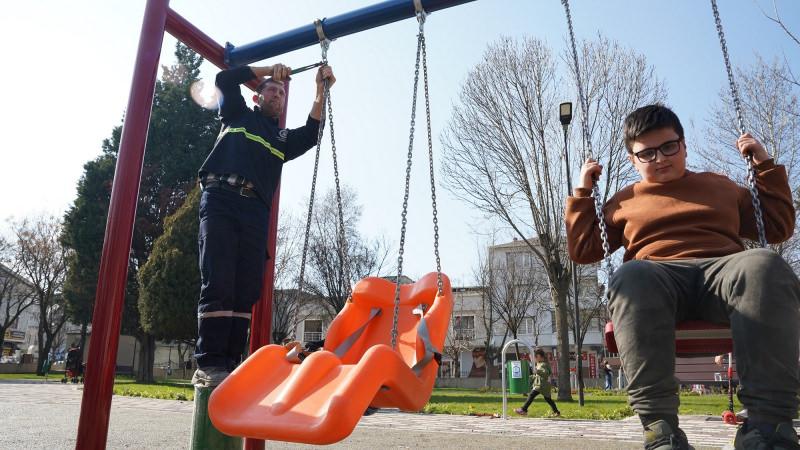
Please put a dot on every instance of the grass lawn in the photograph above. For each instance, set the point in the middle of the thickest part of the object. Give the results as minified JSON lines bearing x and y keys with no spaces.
{"x":598,"y":404}
{"x":52,"y":376}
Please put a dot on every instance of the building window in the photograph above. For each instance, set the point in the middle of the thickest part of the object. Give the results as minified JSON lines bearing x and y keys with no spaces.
{"x":464,"y":328}
{"x":312,"y":330}
{"x":553,"y":321}
{"x":526,"y":326}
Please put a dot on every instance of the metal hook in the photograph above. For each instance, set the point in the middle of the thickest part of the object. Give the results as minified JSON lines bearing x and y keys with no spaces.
{"x":421,"y":14}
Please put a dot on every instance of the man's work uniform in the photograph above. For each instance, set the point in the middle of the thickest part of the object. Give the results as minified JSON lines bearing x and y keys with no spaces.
{"x":239,"y":178}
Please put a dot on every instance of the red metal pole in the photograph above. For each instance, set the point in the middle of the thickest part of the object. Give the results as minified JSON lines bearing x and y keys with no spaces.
{"x":208,"y":48}
{"x":261,"y":327}
{"x":96,"y":402}
{"x":200,"y":42}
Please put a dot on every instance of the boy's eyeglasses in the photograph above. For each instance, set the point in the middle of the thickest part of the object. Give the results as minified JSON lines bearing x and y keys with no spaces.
{"x":668,"y":148}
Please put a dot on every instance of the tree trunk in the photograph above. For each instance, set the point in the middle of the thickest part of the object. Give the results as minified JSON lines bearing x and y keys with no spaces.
{"x":41,"y":368}
{"x":2,"y":336}
{"x":562,"y":325}
{"x":42,"y":356}
{"x":144,"y":374}
{"x":82,"y":344}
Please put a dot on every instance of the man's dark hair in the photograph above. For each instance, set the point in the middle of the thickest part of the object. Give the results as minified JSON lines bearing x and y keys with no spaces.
{"x":539,"y":352}
{"x":648,"y":118}
{"x":264,"y":83}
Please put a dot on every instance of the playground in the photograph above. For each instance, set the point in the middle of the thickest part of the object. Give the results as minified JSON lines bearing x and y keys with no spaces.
{"x":168,"y":422}
{"x":367,"y":378}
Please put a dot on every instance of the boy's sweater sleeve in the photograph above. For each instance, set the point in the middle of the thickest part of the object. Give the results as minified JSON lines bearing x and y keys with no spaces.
{"x":776,"y":204}
{"x":583,"y":233}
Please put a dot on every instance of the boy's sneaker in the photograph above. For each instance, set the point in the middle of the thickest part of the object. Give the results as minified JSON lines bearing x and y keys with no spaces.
{"x":521,"y":412}
{"x":209,"y":376}
{"x":659,"y":436}
{"x":783,"y":438}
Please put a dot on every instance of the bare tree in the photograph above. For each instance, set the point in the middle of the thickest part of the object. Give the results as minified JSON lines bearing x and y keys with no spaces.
{"x":285,"y":298}
{"x":328,"y":277}
{"x":519,"y":294}
{"x":593,"y":302}
{"x":42,"y":260}
{"x":771,"y":112}
{"x":486,"y":282}
{"x":792,"y":35}
{"x":16,"y":294}
{"x":503,"y":145}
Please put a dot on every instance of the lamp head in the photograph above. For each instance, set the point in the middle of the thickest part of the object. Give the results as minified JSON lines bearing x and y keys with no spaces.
{"x":565,"y":113}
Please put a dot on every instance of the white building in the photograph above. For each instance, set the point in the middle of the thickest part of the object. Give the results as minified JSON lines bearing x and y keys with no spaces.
{"x":514,"y":296}
{"x":21,"y":336}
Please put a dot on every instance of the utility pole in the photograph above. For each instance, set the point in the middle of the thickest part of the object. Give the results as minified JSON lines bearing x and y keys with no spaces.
{"x":565,"y":115}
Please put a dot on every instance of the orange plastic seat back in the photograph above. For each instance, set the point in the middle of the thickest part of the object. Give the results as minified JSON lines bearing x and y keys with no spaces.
{"x":374,"y":292}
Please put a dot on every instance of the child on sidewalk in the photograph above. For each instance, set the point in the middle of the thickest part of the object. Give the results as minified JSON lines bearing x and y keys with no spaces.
{"x":541,"y":384}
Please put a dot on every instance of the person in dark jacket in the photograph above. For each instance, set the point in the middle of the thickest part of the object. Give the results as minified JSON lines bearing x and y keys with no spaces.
{"x":239,"y":178}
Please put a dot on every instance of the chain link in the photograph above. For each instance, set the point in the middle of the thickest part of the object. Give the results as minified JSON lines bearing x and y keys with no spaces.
{"x":737,"y":106}
{"x":404,"y":214}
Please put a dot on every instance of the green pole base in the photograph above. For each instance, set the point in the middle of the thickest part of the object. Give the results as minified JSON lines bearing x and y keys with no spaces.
{"x":204,"y":435}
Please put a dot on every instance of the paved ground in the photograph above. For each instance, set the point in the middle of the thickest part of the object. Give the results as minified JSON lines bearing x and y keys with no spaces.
{"x":45,"y":416}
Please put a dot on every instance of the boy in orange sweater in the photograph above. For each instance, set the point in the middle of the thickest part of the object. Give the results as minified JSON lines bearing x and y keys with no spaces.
{"x":684,"y":259}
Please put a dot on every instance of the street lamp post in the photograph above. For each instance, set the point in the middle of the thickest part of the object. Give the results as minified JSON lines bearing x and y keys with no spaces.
{"x":565,"y":115}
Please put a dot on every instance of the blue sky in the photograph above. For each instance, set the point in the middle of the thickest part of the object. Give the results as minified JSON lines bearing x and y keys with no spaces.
{"x":69,"y":64}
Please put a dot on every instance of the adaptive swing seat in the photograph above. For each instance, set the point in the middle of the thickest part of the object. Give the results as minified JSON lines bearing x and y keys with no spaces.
{"x":321,"y":400}
{"x":692,"y":338}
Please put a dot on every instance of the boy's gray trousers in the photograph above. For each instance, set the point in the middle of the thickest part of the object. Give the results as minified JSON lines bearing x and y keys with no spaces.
{"x":755,"y":291}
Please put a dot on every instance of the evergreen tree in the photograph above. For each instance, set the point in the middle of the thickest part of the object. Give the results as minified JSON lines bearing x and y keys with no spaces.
{"x":179,"y":137}
{"x":170,"y":280}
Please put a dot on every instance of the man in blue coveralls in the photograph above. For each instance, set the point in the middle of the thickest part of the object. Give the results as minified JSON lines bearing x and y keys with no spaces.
{"x":238,"y":179}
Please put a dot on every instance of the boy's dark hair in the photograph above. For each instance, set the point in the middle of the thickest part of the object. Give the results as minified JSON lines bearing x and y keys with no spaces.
{"x":539,"y":352}
{"x":648,"y":118}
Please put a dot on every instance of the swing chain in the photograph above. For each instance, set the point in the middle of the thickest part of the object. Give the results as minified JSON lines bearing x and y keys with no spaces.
{"x":327,"y":106}
{"x":737,"y":106}
{"x":404,"y":214}
{"x":342,"y":247}
{"x":584,"y":104}
{"x":310,"y":212}
{"x":430,"y":160}
{"x":598,"y":201}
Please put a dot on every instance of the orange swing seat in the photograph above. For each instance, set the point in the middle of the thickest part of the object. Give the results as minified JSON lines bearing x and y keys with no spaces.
{"x":321,"y":400}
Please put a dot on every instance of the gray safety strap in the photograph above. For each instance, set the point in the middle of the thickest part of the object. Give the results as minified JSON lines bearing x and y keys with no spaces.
{"x":430,"y":351}
{"x":348,"y":343}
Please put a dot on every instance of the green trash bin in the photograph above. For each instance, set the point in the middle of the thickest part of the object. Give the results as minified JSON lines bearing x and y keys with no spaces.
{"x":519,"y":376}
